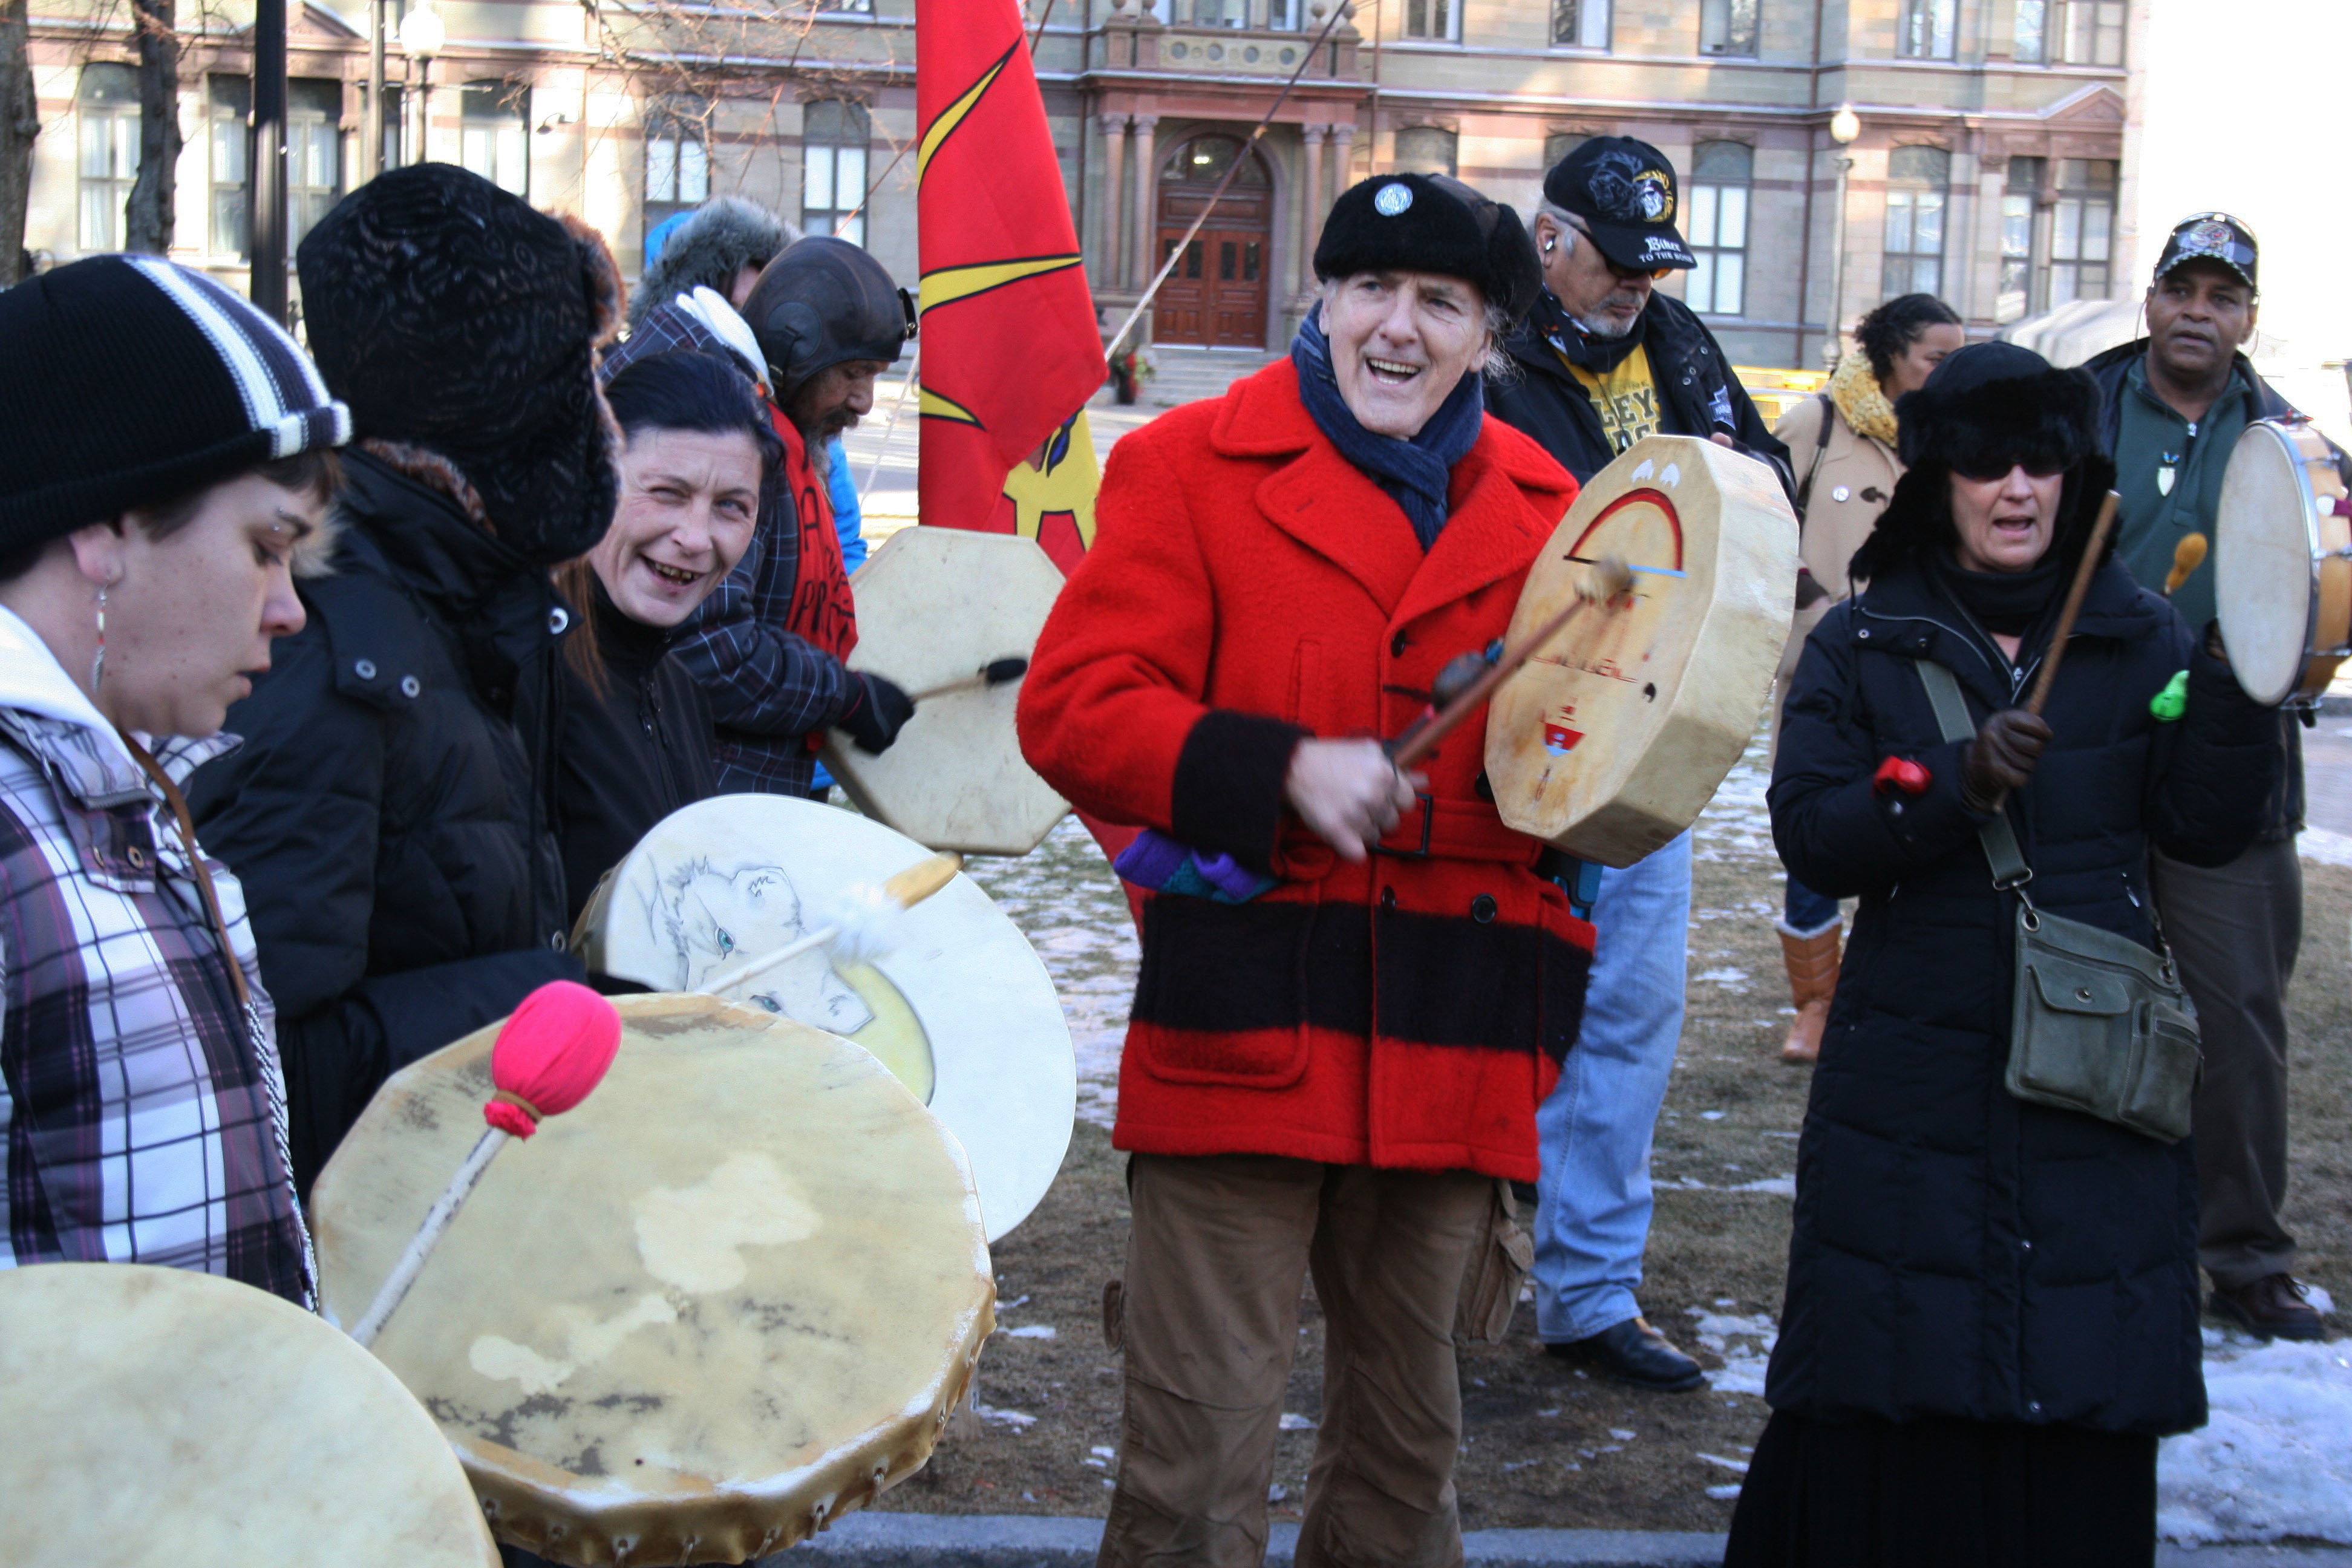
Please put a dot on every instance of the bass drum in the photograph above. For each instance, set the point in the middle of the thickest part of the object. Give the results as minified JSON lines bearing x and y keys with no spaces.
{"x":963,"y":1009}
{"x":2283,"y":563}
{"x":731,"y":1296}
{"x":1614,"y":736}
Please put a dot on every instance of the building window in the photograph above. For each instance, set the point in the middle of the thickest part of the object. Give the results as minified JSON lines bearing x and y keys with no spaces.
{"x":2015,"y":300}
{"x":1714,"y":221}
{"x":1559,"y":144}
{"x":1726,"y":27}
{"x":495,"y":117}
{"x":1438,"y":19}
{"x":228,"y":101}
{"x":1223,"y":13}
{"x":834,"y":134}
{"x":1916,"y":178}
{"x":2082,"y":230}
{"x":107,"y":103}
{"x":678,"y":156}
{"x":1424,"y":150}
{"x":1927,"y":29}
{"x":395,"y":115}
{"x":1579,"y":24}
{"x":2090,"y":32}
{"x":2030,"y":38}
{"x":314,"y":153}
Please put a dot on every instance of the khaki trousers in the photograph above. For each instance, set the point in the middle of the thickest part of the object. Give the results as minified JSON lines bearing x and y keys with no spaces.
{"x":2235,"y":930}
{"x":1209,"y":1316}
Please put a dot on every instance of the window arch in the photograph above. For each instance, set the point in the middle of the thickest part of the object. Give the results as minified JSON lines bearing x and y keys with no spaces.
{"x":106,"y":104}
{"x":494,"y":120}
{"x":677,"y":155}
{"x":1715,"y":213}
{"x":1917,"y":183}
{"x":1426,"y":150}
{"x":1204,"y":160}
{"x":834,"y":135}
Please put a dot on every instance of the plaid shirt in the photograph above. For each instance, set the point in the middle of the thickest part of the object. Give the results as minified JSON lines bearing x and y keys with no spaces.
{"x":144,"y":1125}
{"x":768,"y":688}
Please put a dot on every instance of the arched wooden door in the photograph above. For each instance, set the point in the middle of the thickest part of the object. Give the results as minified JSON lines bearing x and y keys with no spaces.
{"x":1217,"y":294}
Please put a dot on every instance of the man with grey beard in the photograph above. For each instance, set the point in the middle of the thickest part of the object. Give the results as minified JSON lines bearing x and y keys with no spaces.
{"x":1606,"y":360}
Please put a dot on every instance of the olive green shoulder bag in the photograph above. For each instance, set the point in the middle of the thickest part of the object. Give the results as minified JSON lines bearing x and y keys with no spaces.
{"x":2100,"y":1024}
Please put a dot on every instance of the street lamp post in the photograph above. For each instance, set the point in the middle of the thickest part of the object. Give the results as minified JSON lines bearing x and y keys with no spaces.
{"x":1845,"y":125}
{"x":267,"y":285}
{"x":421,"y":38}
{"x":371,"y":154}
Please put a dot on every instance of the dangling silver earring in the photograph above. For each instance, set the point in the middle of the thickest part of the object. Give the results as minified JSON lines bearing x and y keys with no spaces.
{"x":98,"y":664}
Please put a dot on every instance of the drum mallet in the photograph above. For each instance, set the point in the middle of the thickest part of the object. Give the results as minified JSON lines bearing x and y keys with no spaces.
{"x":550,"y":1056}
{"x":2186,"y":556}
{"x":1607,"y":579}
{"x":862,"y":929}
{"x":994,"y":673}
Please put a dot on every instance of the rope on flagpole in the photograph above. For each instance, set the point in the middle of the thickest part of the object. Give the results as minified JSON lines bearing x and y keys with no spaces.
{"x":1340,"y":13}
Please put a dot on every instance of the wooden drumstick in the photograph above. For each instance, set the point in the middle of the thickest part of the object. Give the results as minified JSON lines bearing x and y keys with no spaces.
{"x":994,"y":673}
{"x":1609,"y":578}
{"x":903,"y":891}
{"x":2073,"y":606}
{"x":2186,"y":556}
{"x":550,"y":1055}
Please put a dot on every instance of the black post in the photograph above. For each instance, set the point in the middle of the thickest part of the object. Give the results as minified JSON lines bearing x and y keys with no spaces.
{"x":268,"y":288}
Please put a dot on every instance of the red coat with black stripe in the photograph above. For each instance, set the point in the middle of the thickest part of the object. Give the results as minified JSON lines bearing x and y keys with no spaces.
{"x":1248,"y":586}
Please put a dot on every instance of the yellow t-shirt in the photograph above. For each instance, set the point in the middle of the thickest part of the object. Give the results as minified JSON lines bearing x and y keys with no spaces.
{"x":1626,"y":398}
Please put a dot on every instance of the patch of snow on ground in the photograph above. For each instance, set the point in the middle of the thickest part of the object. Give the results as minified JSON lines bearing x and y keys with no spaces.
{"x":2274,"y":1460}
{"x":1736,"y":825}
{"x":1029,"y":1331}
{"x":1726,"y":976}
{"x":1745,"y":1343}
{"x":1014,"y":1418}
{"x":2327,"y":848}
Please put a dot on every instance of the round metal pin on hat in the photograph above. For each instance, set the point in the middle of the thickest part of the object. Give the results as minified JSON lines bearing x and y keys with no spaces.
{"x":1392,"y":199}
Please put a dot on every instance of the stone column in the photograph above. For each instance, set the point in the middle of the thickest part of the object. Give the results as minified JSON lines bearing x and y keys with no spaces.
{"x":1343,"y":159}
{"x":1114,"y":216}
{"x":1143,"y":260}
{"x":1311,"y":203}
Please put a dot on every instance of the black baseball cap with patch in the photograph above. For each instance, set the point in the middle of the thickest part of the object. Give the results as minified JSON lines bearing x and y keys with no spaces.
{"x":2211,"y":236}
{"x":1625,"y":191}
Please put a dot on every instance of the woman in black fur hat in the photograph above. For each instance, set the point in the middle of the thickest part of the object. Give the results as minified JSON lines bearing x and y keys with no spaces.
{"x":1991,"y":1311}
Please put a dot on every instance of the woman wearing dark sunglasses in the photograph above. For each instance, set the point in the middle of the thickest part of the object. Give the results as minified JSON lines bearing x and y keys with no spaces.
{"x":1991,"y":1311}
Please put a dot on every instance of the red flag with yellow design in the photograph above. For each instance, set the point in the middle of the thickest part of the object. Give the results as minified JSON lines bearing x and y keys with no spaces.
{"x":1011,"y":352}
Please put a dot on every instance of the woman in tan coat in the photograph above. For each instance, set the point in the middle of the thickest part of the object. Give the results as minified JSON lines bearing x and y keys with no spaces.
{"x":1841,"y":445}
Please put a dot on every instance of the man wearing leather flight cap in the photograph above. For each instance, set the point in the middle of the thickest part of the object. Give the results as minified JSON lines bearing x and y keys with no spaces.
{"x":2175,"y":403}
{"x":1608,"y":361}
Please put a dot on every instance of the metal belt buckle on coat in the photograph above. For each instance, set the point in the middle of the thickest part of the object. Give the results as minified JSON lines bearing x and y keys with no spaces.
{"x":1428,"y":811}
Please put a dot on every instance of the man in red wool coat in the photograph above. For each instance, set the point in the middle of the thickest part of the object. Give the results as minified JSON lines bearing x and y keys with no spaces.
{"x":1355,"y":985}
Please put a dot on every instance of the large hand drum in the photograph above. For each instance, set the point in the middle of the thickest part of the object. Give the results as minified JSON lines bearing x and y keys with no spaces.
{"x":2283,"y":563}
{"x":1612,"y":739}
{"x":935,"y":606}
{"x":961,"y":1009}
{"x":730,"y":1297}
{"x":156,"y":1416}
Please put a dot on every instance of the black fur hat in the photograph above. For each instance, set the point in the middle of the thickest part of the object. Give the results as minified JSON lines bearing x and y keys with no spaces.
{"x":723,"y":236}
{"x":1983,"y":409}
{"x":1428,"y":223}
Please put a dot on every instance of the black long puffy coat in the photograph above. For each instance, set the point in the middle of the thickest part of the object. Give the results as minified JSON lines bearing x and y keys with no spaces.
{"x":1957,"y":1252}
{"x":387,"y":818}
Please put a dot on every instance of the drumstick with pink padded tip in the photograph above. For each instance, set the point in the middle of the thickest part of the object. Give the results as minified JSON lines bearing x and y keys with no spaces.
{"x":550,"y":1056}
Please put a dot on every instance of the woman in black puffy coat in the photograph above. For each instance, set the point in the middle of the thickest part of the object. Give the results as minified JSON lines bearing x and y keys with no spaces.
{"x":388,"y":813}
{"x":1991,"y":1309}
{"x":636,"y":733}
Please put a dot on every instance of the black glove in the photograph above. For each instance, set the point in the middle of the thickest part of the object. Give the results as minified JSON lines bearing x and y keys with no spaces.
{"x":2001,"y":757}
{"x":881,"y":712}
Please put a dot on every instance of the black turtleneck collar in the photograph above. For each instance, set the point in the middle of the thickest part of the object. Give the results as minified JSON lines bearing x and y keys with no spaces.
{"x":1597,"y":356}
{"x":629,"y":647}
{"x":2009,"y":603}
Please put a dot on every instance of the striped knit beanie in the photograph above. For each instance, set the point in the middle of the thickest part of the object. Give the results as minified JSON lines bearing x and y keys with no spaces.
{"x":128,"y":382}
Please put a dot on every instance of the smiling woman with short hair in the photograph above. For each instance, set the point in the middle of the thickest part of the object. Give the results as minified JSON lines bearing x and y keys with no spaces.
{"x":1356,"y":987}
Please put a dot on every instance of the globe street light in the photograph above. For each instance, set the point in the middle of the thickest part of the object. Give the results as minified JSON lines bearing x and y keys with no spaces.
{"x":421,"y":38}
{"x":1845,"y":125}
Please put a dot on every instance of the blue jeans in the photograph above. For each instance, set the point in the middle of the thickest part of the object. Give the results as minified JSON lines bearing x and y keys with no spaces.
{"x":1592,"y":1209}
{"x":1804,"y":910}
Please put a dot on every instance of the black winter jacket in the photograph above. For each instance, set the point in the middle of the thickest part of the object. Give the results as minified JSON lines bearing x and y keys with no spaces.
{"x":1959,"y":1253}
{"x":387,"y":818}
{"x":1697,"y":391}
{"x":629,"y":756}
{"x":2283,"y":818}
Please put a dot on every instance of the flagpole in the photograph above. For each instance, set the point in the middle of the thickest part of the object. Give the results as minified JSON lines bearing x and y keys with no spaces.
{"x":1339,"y":15}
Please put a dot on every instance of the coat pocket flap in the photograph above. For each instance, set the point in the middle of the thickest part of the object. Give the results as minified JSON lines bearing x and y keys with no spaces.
{"x":2071,"y":988}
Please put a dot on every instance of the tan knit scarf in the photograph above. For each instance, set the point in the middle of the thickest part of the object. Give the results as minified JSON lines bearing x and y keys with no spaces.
{"x":1856,"y":393}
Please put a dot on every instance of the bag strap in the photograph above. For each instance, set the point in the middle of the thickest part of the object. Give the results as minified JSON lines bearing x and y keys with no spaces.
{"x":203,"y":873}
{"x":1820,"y":449}
{"x":2008,"y":862}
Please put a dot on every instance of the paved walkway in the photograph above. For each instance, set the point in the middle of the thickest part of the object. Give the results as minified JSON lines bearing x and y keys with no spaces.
{"x":1028,"y":1541}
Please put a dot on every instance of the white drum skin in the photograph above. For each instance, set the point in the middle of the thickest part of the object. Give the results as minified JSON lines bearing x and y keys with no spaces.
{"x":2283,"y":563}
{"x":1614,"y":736}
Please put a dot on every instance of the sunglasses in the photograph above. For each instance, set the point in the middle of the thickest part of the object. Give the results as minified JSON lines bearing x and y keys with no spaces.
{"x":2039,"y":467}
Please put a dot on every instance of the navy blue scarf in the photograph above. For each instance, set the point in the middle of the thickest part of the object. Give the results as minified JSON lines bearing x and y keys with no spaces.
{"x":1414,"y":473}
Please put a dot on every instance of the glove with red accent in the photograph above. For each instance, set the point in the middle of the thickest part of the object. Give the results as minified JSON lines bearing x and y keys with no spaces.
{"x":882,"y":710}
{"x":1900,"y":775}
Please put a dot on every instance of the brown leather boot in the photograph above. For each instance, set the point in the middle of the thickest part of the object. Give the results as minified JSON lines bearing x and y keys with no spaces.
{"x":1812,"y":964}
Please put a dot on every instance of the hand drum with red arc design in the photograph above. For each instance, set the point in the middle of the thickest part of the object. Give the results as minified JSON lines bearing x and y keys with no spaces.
{"x":1613,"y":737}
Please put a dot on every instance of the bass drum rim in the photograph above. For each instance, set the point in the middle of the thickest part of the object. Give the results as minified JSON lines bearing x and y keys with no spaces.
{"x":2270,"y":685}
